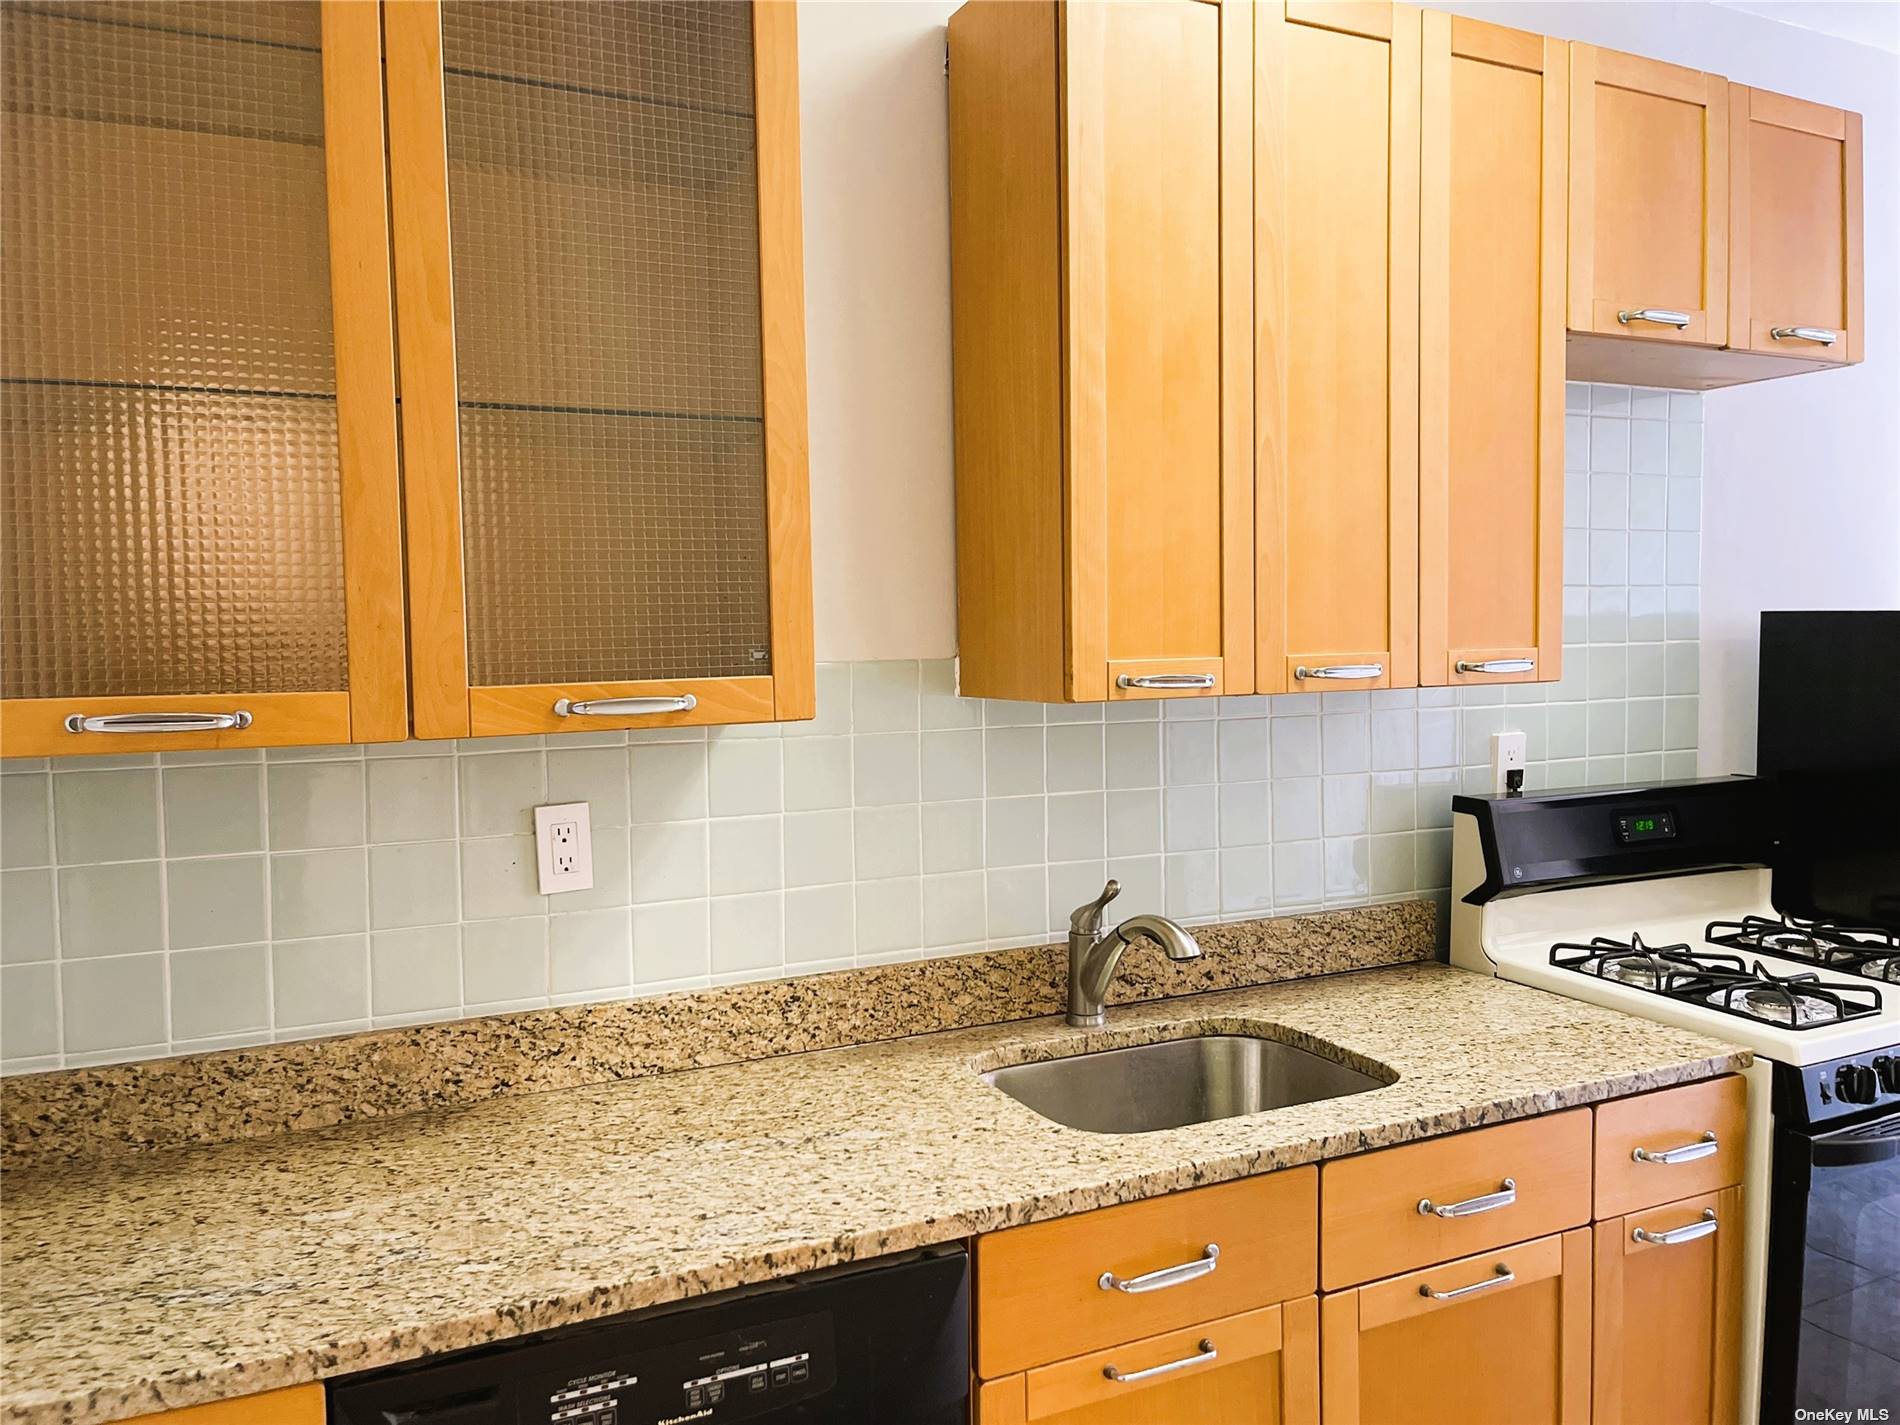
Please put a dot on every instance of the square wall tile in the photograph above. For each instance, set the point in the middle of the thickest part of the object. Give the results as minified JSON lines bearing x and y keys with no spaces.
{"x":1134,"y":822}
{"x":1018,"y":903}
{"x":885,"y":768}
{"x":952,"y":836}
{"x":500,"y":792}
{"x":818,"y":848}
{"x":941,"y":707}
{"x":320,"y":981}
{"x":595,"y":775}
{"x":26,"y":915}
{"x":217,"y":900}
{"x":817,"y":772}
{"x":744,"y":777}
{"x":1132,"y":752}
{"x":671,"y":942}
{"x":953,"y":765}
{"x":317,"y":804}
{"x":415,"y":970}
{"x":820,"y":924}
{"x":410,"y":798}
{"x":954,"y":909}
{"x":499,"y":877}
{"x":505,"y":961}
{"x":668,"y":781}
{"x":889,"y":915}
{"x":886,"y":842}
{"x":590,"y":951}
{"x":1012,"y":761}
{"x":26,"y":820}
{"x":1078,"y":827}
{"x":319,"y":893}
{"x":415,"y":883}
{"x":29,"y":1011}
{"x":884,"y":697}
{"x":105,"y":816}
{"x":214,"y":810}
{"x":113,"y":909}
{"x":115,"y":1002}
{"x":1075,"y":757}
{"x":745,"y":855}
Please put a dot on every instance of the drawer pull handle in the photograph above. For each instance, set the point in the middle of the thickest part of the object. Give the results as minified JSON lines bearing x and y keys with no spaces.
{"x":1504,"y":1277}
{"x":1176,"y":681}
{"x":1817,"y":334}
{"x":624,"y":707}
{"x":1341,"y":670}
{"x":1661,"y":316}
{"x":1207,"y":1353}
{"x":1669,"y":1157}
{"x":160,"y":722}
{"x":1498,"y":665}
{"x":1472,"y":1206}
{"x":1165,"y":1277}
{"x":1676,"y":1236}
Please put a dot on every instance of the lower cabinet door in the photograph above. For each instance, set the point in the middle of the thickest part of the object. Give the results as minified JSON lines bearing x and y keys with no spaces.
{"x":1497,"y":1339}
{"x":1257,"y":1368}
{"x":1668,"y":1313}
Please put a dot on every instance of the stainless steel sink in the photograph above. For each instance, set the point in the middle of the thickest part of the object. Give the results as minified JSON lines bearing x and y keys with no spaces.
{"x":1177,"y":1081}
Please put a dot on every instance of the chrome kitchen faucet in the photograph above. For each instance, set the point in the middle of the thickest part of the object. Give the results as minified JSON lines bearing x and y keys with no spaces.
{"x":1092,"y":961}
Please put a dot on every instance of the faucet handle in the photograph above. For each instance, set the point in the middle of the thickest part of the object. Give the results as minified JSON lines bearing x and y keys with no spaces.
{"x":1087,"y":919}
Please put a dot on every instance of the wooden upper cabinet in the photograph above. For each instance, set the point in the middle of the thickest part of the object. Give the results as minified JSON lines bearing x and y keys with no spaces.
{"x":1491,"y":368}
{"x":600,"y":298}
{"x":1336,"y":253}
{"x":1099,"y":206}
{"x":198,"y":428}
{"x":1794,"y":227}
{"x":1649,"y":208}
{"x":1489,"y":1340}
{"x":1668,"y":1293}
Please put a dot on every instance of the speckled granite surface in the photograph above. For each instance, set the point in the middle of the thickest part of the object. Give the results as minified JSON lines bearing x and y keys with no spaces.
{"x":171,"y":1278}
{"x":253,"y":1093}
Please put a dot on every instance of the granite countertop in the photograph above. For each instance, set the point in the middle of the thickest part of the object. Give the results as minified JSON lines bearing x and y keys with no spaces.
{"x":199,"y":1273}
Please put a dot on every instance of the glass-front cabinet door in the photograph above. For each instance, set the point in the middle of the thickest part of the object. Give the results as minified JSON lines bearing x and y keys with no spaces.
{"x":199,"y":516}
{"x":600,"y":298}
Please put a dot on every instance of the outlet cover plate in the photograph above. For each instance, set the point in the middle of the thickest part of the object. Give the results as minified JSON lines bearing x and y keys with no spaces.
{"x":564,"y":847}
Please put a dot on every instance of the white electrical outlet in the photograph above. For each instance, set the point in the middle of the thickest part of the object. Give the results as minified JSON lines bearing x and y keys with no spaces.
{"x":1507,"y":756}
{"x":564,"y":848}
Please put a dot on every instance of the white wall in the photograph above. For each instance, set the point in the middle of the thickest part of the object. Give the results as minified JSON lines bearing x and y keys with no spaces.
{"x":1802,"y":506}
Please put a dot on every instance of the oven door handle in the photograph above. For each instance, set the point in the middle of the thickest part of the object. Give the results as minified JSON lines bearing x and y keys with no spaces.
{"x":1849,"y":1152}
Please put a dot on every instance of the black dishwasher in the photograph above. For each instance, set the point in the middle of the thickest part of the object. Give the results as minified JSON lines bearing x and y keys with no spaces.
{"x":885,"y":1343}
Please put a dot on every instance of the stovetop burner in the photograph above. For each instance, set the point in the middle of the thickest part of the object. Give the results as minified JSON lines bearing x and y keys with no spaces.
{"x":1724,"y":982}
{"x":1871,"y":954}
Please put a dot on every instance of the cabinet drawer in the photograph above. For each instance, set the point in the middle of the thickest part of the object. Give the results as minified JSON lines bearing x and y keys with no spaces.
{"x":1693,"y":1117}
{"x":1041,"y":1294}
{"x":1386,"y":1212}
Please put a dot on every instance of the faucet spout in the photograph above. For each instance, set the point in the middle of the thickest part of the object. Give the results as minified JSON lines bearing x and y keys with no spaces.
{"x":1093,"y":962}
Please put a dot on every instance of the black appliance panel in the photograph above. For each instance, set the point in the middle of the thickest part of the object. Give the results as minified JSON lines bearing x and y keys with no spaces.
{"x":1828,"y":746}
{"x":1832,"y":1342}
{"x":872,"y":1344}
{"x":1543,"y":839}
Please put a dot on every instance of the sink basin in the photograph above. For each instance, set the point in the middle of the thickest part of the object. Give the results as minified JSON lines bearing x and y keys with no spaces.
{"x":1175,"y":1082}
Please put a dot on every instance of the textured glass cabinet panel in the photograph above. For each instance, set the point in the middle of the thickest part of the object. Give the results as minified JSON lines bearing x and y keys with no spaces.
{"x":603,"y":210}
{"x":170,"y":514}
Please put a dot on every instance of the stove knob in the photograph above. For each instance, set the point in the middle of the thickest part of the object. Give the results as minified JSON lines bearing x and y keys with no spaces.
{"x":1887,"y":1068}
{"x":1855,"y":1083}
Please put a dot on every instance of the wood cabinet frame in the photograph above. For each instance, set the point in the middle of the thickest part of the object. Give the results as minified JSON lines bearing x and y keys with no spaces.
{"x":374,"y":707}
{"x":1275,"y":661}
{"x":1748,"y":109}
{"x":445,"y":704}
{"x":1616,"y":1247}
{"x":1594,"y":312}
{"x":1345,"y":1316}
{"x":1445,"y":39}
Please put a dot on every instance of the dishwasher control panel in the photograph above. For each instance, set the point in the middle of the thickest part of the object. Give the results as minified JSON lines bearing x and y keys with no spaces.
{"x":723,"y":1376}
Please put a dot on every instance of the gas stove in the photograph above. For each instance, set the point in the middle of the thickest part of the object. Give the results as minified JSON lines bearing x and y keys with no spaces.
{"x":1657,"y":901}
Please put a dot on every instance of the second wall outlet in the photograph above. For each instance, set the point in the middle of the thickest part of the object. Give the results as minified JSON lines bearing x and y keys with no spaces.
{"x":1507,"y":761}
{"x":564,"y":848}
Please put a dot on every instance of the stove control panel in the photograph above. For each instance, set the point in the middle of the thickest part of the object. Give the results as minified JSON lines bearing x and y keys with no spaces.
{"x":1841,"y":1088}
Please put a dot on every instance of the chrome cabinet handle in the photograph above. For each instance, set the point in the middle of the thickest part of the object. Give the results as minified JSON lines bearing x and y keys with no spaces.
{"x":1472,"y":1206}
{"x":624,"y":707}
{"x":1687,"y":1153}
{"x":1504,"y":1277}
{"x":1498,"y":665}
{"x":1166,"y":1277}
{"x":1676,"y":1236}
{"x":1165,"y":680}
{"x":1661,"y":316}
{"x":160,"y":722}
{"x":1820,"y":334}
{"x":1207,"y":1353}
{"x":1342,"y":670}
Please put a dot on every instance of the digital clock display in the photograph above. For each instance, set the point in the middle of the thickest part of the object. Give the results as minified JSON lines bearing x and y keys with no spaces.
{"x":1645,"y":826}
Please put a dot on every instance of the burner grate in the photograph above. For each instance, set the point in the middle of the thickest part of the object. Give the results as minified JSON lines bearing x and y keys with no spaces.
{"x":1721,"y":981}
{"x":1854,"y":950}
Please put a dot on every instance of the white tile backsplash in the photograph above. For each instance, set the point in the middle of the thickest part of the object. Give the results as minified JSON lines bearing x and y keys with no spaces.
{"x":152,"y":905}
